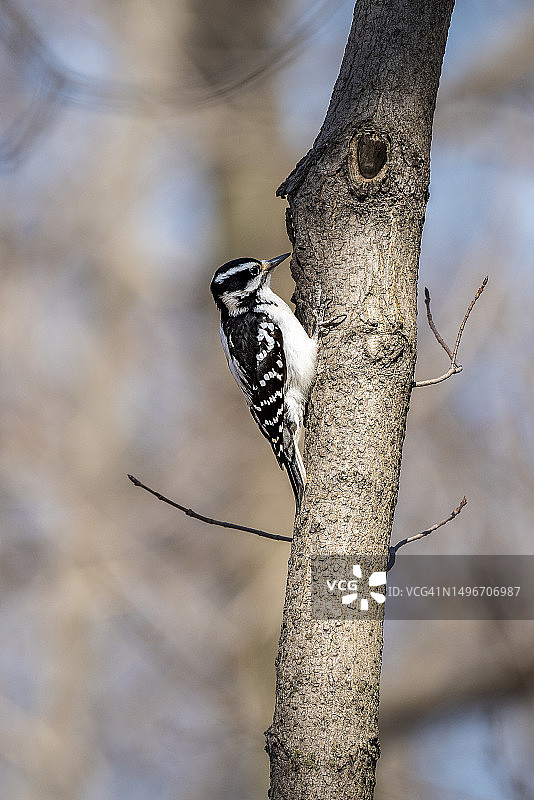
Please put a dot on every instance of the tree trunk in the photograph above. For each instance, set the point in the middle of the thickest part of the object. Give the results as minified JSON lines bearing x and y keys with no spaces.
{"x":356,"y":211}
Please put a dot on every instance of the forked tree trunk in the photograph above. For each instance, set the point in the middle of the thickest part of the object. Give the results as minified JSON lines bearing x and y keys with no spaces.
{"x":356,"y":211}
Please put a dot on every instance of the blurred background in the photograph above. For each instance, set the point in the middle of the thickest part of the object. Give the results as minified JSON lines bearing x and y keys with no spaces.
{"x":141,"y":144}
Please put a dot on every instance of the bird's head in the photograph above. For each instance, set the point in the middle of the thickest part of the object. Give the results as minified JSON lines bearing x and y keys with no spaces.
{"x":237,"y":281}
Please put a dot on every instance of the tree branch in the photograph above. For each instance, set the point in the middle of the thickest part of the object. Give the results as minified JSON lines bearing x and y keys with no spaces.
{"x":278,"y":536}
{"x":393,"y":550}
{"x":454,"y":367}
{"x":208,"y":520}
{"x":432,"y":325}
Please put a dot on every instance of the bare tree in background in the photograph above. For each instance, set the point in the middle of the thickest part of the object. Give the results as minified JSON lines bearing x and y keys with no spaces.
{"x":137,"y":646}
{"x":357,"y":204}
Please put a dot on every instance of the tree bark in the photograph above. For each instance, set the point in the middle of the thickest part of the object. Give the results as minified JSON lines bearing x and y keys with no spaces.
{"x":355,"y":217}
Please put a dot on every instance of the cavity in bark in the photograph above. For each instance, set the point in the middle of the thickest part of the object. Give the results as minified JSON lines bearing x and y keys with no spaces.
{"x":371,"y":154}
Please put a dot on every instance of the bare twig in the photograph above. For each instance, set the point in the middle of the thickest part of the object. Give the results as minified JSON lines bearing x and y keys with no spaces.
{"x":209,"y":520}
{"x":393,"y":550}
{"x":454,"y":367}
{"x":278,"y":536}
{"x":466,"y":317}
{"x":432,"y":325}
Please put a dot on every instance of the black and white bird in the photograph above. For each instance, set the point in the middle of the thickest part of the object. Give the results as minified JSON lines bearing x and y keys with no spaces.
{"x":270,"y":355}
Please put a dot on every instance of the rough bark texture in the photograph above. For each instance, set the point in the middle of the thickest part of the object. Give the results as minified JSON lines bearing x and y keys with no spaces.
{"x":357,"y":205}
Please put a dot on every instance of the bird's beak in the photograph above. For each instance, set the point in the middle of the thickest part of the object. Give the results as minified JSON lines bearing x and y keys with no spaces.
{"x":268,"y":266}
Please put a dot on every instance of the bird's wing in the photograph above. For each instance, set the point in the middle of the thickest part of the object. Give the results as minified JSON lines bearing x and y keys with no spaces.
{"x":260,"y":371}
{"x":267,"y":405}
{"x":244,"y":377}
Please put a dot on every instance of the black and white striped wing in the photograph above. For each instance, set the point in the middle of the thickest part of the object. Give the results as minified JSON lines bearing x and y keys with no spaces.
{"x":267,"y":404}
{"x":239,"y":365}
{"x":254,"y":350}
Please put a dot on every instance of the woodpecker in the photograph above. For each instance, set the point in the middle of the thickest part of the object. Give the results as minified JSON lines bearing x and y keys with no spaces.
{"x":270,"y":355}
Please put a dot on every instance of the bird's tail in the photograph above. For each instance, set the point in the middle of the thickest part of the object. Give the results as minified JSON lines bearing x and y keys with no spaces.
{"x":295,"y":471}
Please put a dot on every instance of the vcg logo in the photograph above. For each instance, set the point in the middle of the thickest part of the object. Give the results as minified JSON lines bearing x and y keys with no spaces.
{"x":351,"y":592}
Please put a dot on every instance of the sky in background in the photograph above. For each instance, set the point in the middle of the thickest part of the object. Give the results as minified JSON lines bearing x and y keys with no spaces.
{"x":480,"y":220}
